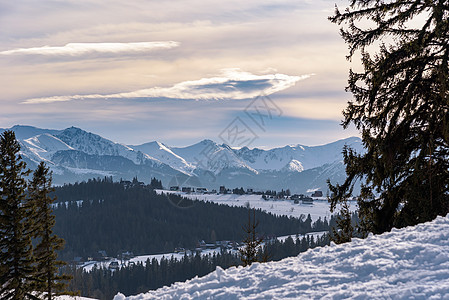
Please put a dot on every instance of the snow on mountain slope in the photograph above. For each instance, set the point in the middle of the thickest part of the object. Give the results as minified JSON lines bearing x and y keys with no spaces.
{"x":298,"y":168}
{"x":164,"y":154}
{"x":293,"y":166}
{"x":208,"y":155}
{"x":309,"y":157}
{"x":24,"y":132}
{"x":43,"y":146}
{"x":408,"y":263}
{"x":90,"y":143}
{"x":48,"y":143}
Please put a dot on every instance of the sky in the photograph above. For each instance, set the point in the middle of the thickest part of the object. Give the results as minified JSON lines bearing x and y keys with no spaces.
{"x":246,"y":73}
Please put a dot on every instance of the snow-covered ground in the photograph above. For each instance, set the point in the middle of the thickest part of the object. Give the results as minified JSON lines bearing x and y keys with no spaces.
{"x":408,"y":263}
{"x":319,"y":208}
{"x":178,"y":256}
{"x":300,"y":236}
{"x":88,"y":266}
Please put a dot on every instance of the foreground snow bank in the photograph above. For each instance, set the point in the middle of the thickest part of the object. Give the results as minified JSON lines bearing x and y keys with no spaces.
{"x":410,"y":263}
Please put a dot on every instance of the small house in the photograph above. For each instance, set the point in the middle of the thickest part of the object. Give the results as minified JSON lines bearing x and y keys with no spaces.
{"x":187,"y":189}
{"x":307,"y":200}
{"x":317,"y":194}
{"x":201,"y":190}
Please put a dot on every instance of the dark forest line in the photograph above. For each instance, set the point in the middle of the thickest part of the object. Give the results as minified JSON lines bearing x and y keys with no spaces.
{"x":133,"y":279}
{"x":116,"y":219}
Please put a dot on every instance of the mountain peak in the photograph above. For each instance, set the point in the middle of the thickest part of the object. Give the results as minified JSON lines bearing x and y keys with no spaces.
{"x":281,"y":167}
{"x":293,"y":166}
{"x":164,"y":154}
{"x":24,"y":132}
{"x":73,"y":129}
{"x":207,"y":142}
{"x":27,"y":127}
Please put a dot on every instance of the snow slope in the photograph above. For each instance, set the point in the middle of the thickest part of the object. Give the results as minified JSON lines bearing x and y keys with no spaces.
{"x":24,"y":132}
{"x":43,"y":146}
{"x":297,"y":157}
{"x":90,"y":143}
{"x":408,"y":263}
{"x":208,"y":155}
{"x":319,"y":209}
{"x":164,"y":154}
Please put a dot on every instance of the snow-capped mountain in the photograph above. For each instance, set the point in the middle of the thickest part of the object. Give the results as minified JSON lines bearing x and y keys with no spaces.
{"x":210,"y":156}
{"x":296,"y":158}
{"x":25,"y":132}
{"x":293,"y":166}
{"x":165,"y":155}
{"x":43,"y":146}
{"x":75,"y":154}
{"x":93,"y":144}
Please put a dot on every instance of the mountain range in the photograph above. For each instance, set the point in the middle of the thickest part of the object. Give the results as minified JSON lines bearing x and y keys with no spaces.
{"x":74,"y":155}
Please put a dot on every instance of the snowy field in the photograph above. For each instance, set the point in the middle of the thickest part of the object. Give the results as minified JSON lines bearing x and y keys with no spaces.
{"x":300,"y":236}
{"x":409,"y":263}
{"x":178,"y":256}
{"x":158,"y":257}
{"x":319,"y":208}
{"x":143,"y":258}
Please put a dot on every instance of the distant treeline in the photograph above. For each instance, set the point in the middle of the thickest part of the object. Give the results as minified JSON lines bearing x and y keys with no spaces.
{"x":104,"y":284}
{"x":116,"y":218}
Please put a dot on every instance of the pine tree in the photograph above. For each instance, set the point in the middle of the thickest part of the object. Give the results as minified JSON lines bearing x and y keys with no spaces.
{"x":15,"y":243}
{"x":155,"y":184}
{"x":248,"y":254}
{"x":401,"y":108}
{"x":46,"y":278}
{"x":345,"y":230}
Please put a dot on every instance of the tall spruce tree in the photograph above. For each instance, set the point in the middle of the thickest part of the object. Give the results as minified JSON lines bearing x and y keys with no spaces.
{"x":401,"y":108}
{"x":248,"y":254}
{"x":16,"y":262}
{"x":344,"y":230}
{"x":46,"y":278}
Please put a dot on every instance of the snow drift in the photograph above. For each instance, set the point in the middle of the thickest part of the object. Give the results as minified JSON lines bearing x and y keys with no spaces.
{"x":408,"y":263}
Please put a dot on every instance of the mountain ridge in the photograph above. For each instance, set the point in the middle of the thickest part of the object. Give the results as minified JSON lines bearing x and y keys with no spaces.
{"x":74,"y":154}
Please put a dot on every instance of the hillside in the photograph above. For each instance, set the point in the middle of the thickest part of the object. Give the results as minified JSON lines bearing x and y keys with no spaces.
{"x":408,"y":263}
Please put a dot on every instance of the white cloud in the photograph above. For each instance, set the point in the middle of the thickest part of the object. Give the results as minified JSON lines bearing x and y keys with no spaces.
{"x":233,"y":84}
{"x":79,"y":49}
{"x":263,"y":37}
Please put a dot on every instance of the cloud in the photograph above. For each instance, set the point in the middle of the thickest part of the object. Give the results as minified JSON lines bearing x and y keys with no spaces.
{"x":80,"y":49}
{"x":233,"y":84}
